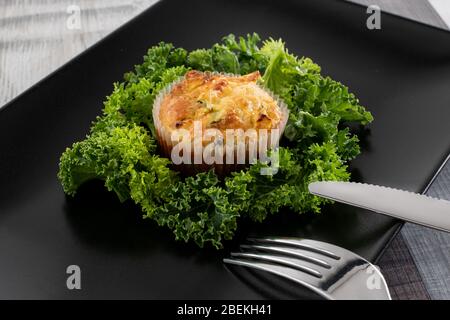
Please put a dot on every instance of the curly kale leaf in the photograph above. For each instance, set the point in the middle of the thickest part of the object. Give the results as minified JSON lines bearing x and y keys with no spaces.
{"x":123,"y":157}
{"x":156,"y":61}
{"x":134,"y":99}
{"x":199,"y":209}
{"x":238,"y":56}
{"x":113,"y":155}
{"x":260,"y":195}
{"x":300,"y":84}
{"x":318,"y":105}
{"x":247,"y":52}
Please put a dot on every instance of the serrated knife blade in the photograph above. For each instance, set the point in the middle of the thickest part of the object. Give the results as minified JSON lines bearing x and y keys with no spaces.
{"x":404,"y":205}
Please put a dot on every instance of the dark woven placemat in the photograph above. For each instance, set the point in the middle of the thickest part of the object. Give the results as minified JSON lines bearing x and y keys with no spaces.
{"x":416,"y":263}
{"x":400,"y":272}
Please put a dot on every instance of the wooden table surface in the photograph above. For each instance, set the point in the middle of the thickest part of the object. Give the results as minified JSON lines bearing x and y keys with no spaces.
{"x":35,"y":39}
{"x":420,"y":10}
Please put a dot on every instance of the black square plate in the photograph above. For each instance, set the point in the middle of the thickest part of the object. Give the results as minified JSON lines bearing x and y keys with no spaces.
{"x":401,"y":73}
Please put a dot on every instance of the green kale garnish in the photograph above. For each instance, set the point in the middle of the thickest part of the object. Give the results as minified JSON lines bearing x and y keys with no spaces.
{"x":121,"y":148}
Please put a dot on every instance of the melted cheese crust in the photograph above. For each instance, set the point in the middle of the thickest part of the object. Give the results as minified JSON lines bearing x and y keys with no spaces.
{"x":219,"y":101}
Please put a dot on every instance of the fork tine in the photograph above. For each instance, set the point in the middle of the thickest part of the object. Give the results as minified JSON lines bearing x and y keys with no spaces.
{"x":343,"y":274}
{"x":298,"y":243}
{"x":284,"y":272}
{"x":278,"y":260}
{"x":289,"y":252}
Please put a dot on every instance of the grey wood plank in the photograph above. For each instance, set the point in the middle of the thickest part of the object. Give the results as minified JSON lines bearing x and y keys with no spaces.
{"x":35,"y":39}
{"x":419,"y":10}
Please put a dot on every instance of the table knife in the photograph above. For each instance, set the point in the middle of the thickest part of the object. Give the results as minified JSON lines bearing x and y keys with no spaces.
{"x":404,"y":205}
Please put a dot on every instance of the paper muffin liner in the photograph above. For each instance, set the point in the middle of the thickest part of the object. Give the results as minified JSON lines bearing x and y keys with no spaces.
{"x":164,"y":136}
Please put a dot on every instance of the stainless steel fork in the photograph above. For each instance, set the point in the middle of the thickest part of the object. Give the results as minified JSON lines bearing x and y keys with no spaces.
{"x":332,"y":272}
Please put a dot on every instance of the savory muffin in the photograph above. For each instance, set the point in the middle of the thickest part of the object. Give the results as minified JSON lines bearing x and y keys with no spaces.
{"x":226,"y":103}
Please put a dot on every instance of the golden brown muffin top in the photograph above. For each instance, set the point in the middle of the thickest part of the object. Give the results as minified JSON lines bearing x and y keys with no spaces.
{"x":219,"y":101}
